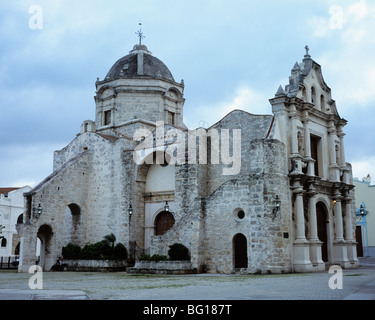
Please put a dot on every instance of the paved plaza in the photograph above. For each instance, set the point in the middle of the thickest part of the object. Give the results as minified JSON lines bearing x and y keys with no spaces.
{"x":356,"y":284}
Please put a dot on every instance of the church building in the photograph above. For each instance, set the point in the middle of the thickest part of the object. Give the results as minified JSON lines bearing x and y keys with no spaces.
{"x":252,"y":193}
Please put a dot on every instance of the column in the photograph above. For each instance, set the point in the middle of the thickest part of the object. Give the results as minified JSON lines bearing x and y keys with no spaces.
{"x":296,"y":158}
{"x":293,"y":116}
{"x":351,"y":243}
{"x":339,"y":232}
{"x":348,"y":219}
{"x":312,"y":214}
{"x":310,"y":161}
{"x":300,"y":216}
{"x":301,"y":254}
{"x":345,"y":169}
{"x":340,"y":252}
{"x":334,"y":169}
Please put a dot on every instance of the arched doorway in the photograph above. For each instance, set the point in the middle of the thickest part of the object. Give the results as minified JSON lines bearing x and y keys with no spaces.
{"x":321,"y":215}
{"x":45,"y":236}
{"x":240,"y":251}
{"x":163,"y":222}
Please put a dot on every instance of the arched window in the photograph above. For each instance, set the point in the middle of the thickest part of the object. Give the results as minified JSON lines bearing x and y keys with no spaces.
{"x":322,"y":103}
{"x":304,"y":94}
{"x":313,"y":95}
{"x":163,"y":222}
{"x":3,"y":242}
{"x":20,"y":219}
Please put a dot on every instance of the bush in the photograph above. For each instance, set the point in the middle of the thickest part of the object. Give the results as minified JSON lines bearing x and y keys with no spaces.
{"x":178,"y":251}
{"x":145,"y":257}
{"x":158,"y":257}
{"x":104,"y":249}
{"x":120,"y":252}
{"x":154,"y":257}
{"x":71,"y":251}
{"x":92,"y":251}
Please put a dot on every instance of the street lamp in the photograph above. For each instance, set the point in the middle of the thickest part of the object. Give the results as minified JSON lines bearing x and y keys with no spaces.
{"x":130,"y":210}
{"x":362,"y":211}
{"x":166,"y":206}
{"x":276,"y":207}
{"x":37,"y":212}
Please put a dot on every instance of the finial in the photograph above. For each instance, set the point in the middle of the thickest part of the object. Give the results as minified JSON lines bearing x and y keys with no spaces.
{"x":307,"y":50}
{"x":139,"y":33}
{"x":307,"y":56}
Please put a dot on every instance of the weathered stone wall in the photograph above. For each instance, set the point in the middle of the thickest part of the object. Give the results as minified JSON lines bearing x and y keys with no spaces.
{"x":66,"y":186}
{"x":254,"y":194}
{"x":207,"y":225}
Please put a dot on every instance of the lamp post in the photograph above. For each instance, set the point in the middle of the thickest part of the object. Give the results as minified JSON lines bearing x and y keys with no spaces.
{"x":276,"y":207}
{"x":130,"y":211}
{"x":166,"y":206}
{"x":37,"y":212}
{"x":131,"y":243}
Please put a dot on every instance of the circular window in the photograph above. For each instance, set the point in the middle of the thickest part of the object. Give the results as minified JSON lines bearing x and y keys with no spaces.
{"x":239,"y":214}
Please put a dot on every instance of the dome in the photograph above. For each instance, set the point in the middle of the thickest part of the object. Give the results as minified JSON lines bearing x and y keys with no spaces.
{"x":139,"y":62}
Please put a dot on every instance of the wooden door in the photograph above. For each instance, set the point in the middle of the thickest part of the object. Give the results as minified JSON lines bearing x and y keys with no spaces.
{"x":240,"y":251}
{"x":322,"y":229}
{"x":358,"y":237}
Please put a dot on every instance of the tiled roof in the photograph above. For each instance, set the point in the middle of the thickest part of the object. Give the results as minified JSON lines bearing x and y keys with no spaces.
{"x":7,"y":190}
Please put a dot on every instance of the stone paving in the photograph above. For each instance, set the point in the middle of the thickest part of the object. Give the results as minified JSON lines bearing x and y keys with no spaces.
{"x":357,"y":284}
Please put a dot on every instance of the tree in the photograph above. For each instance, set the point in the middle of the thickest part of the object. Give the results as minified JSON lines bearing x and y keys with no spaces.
{"x":111,"y":239}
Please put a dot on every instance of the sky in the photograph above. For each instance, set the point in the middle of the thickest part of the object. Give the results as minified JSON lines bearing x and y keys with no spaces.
{"x":231,"y":55}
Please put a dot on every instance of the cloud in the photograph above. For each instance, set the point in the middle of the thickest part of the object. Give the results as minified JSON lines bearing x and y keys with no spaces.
{"x":30,"y":164}
{"x":361,"y":168}
{"x":244,"y":98}
{"x":348,"y":57}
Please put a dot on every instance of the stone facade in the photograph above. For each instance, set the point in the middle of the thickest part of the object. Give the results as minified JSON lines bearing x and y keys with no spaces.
{"x":252,"y":193}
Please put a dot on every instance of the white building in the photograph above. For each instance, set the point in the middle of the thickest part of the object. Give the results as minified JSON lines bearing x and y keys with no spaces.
{"x":11,"y":208}
{"x":365,"y":228}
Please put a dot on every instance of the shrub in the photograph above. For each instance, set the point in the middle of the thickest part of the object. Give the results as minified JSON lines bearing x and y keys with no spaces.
{"x":158,"y":257}
{"x":120,"y":252}
{"x":145,"y":257}
{"x":104,"y":249}
{"x":154,"y":257}
{"x":71,"y":251}
{"x":178,"y":251}
{"x":92,"y":251}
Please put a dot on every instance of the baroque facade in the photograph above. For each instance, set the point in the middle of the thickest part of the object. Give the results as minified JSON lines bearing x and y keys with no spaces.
{"x":256,"y":193}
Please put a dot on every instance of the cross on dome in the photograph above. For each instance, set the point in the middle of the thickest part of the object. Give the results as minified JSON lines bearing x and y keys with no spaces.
{"x":139,"y":33}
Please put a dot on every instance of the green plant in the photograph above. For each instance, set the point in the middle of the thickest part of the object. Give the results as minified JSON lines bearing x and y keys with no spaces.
{"x":178,"y":251}
{"x":154,"y":257}
{"x":120,"y":252}
{"x":104,"y":249}
{"x":145,"y":257}
{"x":158,"y":257}
{"x":71,"y":251}
{"x":111,"y":239}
